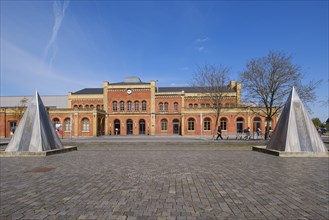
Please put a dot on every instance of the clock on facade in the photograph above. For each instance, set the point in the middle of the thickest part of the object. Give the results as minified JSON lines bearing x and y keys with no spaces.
{"x":129,"y":91}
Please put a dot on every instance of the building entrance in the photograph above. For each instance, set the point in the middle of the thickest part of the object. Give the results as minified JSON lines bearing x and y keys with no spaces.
{"x":142,"y":126}
{"x":176,"y":126}
{"x":117,"y":127}
{"x":129,"y":126}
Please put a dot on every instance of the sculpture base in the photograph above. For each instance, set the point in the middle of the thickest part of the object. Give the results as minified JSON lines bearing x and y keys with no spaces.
{"x":289,"y":154}
{"x":37,"y":154}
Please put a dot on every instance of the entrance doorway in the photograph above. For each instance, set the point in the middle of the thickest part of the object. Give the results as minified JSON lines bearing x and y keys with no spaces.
{"x":129,"y":127}
{"x":116,"y":126}
{"x":142,"y":126}
{"x":175,"y":126}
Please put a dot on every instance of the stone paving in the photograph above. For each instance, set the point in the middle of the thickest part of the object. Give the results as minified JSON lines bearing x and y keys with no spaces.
{"x":163,"y":181}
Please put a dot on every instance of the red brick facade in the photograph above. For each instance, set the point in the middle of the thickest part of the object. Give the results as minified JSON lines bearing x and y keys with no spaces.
{"x":143,"y":109}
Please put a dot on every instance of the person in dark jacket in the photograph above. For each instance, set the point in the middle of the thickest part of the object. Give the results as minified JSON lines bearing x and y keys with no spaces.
{"x":219,"y":133}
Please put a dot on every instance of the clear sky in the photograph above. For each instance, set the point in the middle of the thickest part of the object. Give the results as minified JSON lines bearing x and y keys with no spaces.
{"x":57,"y":47}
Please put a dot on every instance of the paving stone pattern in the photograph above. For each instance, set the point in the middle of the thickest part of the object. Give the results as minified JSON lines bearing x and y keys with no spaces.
{"x":163,"y":182}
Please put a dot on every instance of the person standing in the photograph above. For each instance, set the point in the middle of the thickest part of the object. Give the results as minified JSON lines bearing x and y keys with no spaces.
{"x":219,"y":133}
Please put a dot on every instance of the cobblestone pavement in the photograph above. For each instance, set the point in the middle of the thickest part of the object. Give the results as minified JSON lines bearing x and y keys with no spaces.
{"x":159,"y":181}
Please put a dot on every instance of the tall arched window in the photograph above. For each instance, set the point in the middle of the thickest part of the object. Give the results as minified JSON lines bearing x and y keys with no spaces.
{"x":206,"y":124}
{"x":257,"y":122}
{"x":129,"y":107}
{"x":67,"y":124}
{"x":239,"y":125}
{"x":190,"y":105}
{"x":195,"y":105}
{"x":115,"y":106}
{"x":144,"y":105}
{"x":86,"y":106}
{"x":136,"y":106}
{"x":223,"y":123}
{"x":91,"y":106}
{"x":85,"y":124}
{"x":166,"y":106}
{"x":164,"y":125}
{"x":190,"y":126}
{"x":160,"y":106}
{"x":175,"y":106}
{"x":122,"y":106}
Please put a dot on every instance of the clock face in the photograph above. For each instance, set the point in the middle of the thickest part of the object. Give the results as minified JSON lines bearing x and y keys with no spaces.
{"x":129,"y":91}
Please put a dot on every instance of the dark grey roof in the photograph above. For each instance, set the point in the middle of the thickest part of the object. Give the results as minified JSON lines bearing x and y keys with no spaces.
{"x":189,"y":89}
{"x":129,"y":83}
{"x":89,"y":91}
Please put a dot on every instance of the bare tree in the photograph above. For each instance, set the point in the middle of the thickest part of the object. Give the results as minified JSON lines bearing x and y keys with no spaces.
{"x":212,"y":82}
{"x":20,"y":108}
{"x":268,"y":80}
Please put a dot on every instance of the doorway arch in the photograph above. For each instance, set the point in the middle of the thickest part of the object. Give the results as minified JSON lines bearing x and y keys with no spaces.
{"x":142,"y":126}
{"x":129,"y":127}
{"x":117,"y":127}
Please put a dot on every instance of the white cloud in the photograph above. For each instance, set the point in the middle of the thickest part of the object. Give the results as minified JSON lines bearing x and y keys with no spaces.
{"x":21,"y":71}
{"x":59,"y":9}
{"x":200,"y":49}
{"x":202,"y":40}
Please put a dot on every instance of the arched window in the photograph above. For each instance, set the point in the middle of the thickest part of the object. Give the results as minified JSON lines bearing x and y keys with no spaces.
{"x":136,"y":106}
{"x":195,"y":105}
{"x":160,"y":106}
{"x":175,"y":106}
{"x":122,"y":106}
{"x":203,"y":105}
{"x":207,"y":105}
{"x":144,"y":105}
{"x":129,"y":106}
{"x":56,"y":123}
{"x":75,"y":106}
{"x":227,"y":105}
{"x":67,"y":124}
{"x":190,"y":105}
{"x":257,"y":122}
{"x":223,"y":123}
{"x":98,"y":107}
{"x":91,"y":106}
{"x":166,"y":106}
{"x":85,"y":124}
{"x":86,"y":106}
{"x":239,"y":125}
{"x":80,"y":106}
{"x":164,"y":125}
{"x":206,"y":124}
{"x":190,"y":126}
{"x":115,"y":106}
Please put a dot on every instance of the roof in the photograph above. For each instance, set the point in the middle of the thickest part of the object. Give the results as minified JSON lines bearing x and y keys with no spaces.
{"x":189,"y":89}
{"x":89,"y":91}
{"x":59,"y":101}
{"x":129,"y":83}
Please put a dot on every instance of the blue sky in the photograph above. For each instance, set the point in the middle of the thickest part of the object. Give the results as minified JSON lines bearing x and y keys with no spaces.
{"x":60,"y":46}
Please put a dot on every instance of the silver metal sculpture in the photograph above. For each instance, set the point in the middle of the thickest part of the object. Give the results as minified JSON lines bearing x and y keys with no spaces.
{"x":35,"y":133}
{"x":295,"y":131}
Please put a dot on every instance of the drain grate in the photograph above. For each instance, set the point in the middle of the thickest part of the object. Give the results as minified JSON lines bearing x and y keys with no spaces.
{"x":40,"y":170}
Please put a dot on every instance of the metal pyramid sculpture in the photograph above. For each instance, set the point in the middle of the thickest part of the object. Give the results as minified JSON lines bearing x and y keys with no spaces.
{"x":35,"y":133}
{"x":295,"y":131}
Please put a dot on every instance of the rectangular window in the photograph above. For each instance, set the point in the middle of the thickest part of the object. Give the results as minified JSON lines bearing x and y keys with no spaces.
{"x":136,"y":106}
{"x":163,"y":125}
{"x":144,"y":106}
{"x":129,"y":106}
{"x":223,"y":125}
{"x":207,"y":125}
{"x":191,"y":125}
{"x":12,"y":126}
